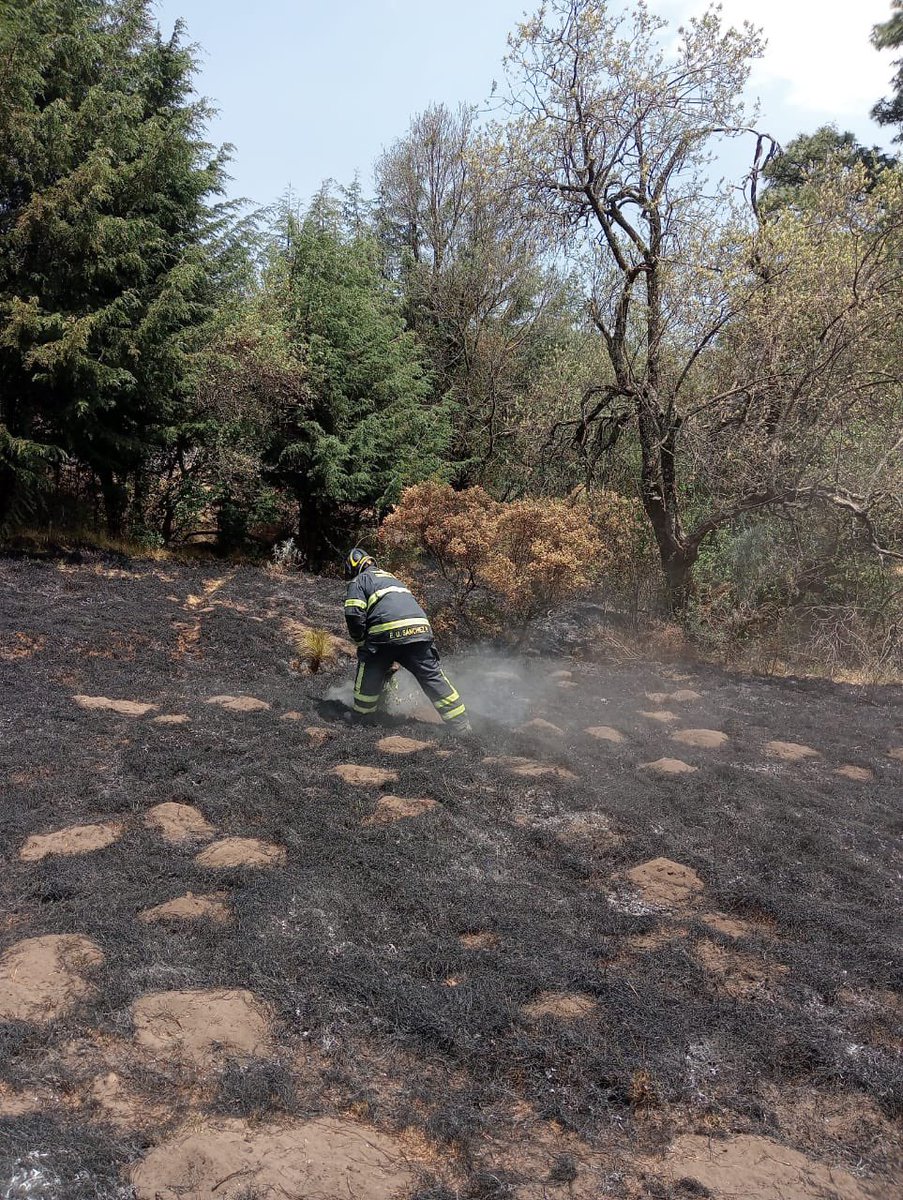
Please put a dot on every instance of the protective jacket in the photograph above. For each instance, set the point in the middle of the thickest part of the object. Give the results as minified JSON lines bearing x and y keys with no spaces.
{"x":381,"y":611}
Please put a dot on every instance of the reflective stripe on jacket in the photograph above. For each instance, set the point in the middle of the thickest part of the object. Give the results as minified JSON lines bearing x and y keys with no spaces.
{"x":380,"y":609}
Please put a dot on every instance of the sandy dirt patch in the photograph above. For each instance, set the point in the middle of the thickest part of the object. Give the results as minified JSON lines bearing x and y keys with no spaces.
{"x":790,"y":751}
{"x":681,"y":696}
{"x":529,"y":768}
{"x":317,"y":735}
{"x":190,"y":908}
{"x":122,"y":1105}
{"x":605,"y":733}
{"x":668,"y":766}
{"x":402,"y":745}
{"x":703,"y":739}
{"x":857,"y":774}
{"x":20,"y":645}
{"x":75,"y":839}
{"x":199,"y":1026}
{"x":896,"y":752}
{"x":567,"y":1006}
{"x":241,"y":704}
{"x":738,"y":973}
{"x":228,"y":1159}
{"x":663,"y":882}
{"x":42,"y":978}
{"x":653,"y":940}
{"x":587,"y":829}
{"x":241,"y":852}
{"x":20,"y":1104}
{"x":480,"y":939}
{"x":541,"y":726}
{"x":398,"y":808}
{"x":178,"y":824}
{"x":662,"y":715}
{"x":757,"y":1168}
{"x":172,"y":719}
{"x":291,"y":715}
{"x":125,"y":708}
{"x":734,"y":927}
{"x":360,"y":776}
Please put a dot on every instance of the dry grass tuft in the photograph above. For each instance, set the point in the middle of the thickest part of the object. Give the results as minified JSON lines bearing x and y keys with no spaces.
{"x":316,"y":648}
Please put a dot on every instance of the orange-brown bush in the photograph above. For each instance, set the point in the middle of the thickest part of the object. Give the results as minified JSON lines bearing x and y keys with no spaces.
{"x":507,"y":563}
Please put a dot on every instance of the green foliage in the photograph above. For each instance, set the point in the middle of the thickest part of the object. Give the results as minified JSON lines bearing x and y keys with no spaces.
{"x":367,"y":424}
{"x":808,"y":154}
{"x":106,"y":271}
{"x":889,"y":36}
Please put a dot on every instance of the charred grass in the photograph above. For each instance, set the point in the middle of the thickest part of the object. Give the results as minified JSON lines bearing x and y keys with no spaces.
{"x":379,"y":1009}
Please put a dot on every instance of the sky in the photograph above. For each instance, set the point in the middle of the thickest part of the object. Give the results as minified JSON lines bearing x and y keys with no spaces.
{"x":315,"y":89}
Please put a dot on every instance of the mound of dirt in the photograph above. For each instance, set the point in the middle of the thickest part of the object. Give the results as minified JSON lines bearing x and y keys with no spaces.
{"x":178,"y":824}
{"x":790,"y":751}
{"x":857,"y":774}
{"x":397,"y":808}
{"x":896,"y":752}
{"x":665,"y":883}
{"x":402,"y":745}
{"x":757,"y":1168}
{"x":605,"y":733}
{"x":668,"y":766}
{"x":228,"y":1159}
{"x":682,"y":695}
{"x":529,"y":768}
{"x":541,"y":726}
{"x":241,"y":852}
{"x":736,"y":973}
{"x":189,"y":908}
{"x":292,"y":716}
{"x":198,"y":1026}
{"x":481,"y":939}
{"x":566,"y":1006}
{"x":359,"y":776}
{"x":704,"y":739}
{"x":734,"y":927}
{"x":242,"y":704}
{"x":172,"y":719}
{"x":42,"y":978}
{"x":76,"y":839}
{"x":663,"y":715}
{"x":588,"y":829}
{"x":317,"y":735}
{"x":125,"y":708}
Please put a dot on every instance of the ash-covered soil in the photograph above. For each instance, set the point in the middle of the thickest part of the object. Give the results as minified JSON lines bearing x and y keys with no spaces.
{"x":640,"y":936}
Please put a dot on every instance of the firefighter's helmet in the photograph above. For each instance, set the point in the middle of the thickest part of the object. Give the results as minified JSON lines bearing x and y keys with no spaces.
{"x":356,"y":560}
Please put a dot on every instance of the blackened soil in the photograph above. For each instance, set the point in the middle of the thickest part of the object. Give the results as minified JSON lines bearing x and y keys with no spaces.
{"x":381,"y":1008}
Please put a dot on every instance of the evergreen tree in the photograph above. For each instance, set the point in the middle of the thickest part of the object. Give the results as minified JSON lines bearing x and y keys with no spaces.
{"x":787,"y":173}
{"x":889,"y":36}
{"x":367,"y":425}
{"x":106,"y":270}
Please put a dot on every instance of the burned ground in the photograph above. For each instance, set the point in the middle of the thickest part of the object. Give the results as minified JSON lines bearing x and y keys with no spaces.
{"x":482,"y":979}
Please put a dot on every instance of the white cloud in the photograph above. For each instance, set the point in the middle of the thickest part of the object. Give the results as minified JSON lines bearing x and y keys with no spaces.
{"x":819,"y":54}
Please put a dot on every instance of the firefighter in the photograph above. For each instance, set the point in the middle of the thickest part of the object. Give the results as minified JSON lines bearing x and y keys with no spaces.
{"x":388,"y":626}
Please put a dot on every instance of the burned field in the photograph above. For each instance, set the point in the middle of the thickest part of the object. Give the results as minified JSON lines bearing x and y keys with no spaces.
{"x":641,"y":939}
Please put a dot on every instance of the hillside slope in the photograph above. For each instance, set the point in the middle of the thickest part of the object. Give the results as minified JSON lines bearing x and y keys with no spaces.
{"x":639,"y":937}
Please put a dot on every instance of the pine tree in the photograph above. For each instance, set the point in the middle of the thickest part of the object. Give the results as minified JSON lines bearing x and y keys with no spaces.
{"x":889,"y":36}
{"x":106,"y":271}
{"x":368,"y":424}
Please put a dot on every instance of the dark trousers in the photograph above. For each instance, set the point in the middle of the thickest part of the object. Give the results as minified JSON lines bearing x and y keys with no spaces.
{"x":420,"y":658}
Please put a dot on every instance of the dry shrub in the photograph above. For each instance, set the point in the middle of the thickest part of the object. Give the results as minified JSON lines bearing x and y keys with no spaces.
{"x":507,"y":563}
